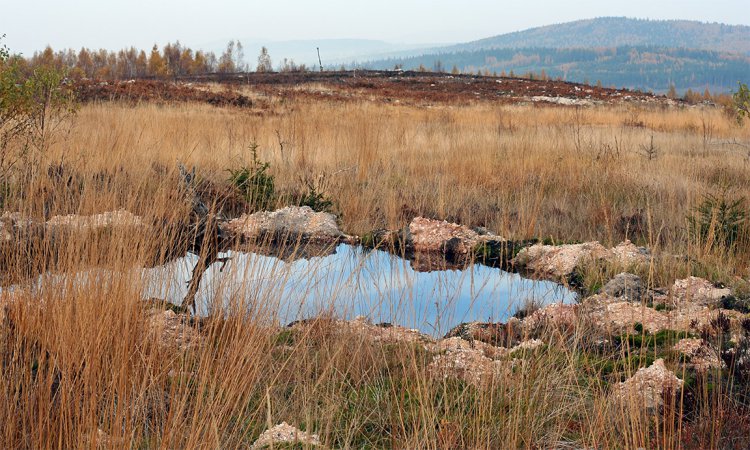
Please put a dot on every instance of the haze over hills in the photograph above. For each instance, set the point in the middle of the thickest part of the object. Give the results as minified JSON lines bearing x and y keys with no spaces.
{"x":333,"y":51}
{"x":633,"y":53}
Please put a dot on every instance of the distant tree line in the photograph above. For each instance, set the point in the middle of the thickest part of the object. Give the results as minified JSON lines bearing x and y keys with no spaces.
{"x":172,"y":60}
{"x":647,"y":68}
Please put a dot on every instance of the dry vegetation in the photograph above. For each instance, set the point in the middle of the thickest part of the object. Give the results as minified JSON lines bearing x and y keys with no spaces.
{"x":521,"y":171}
{"x":85,"y":366}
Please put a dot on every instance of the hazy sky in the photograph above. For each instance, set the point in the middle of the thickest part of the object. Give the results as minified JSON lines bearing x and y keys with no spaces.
{"x":32,"y":24}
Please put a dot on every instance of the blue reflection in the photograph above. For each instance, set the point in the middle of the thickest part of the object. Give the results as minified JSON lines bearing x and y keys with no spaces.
{"x":352,"y":282}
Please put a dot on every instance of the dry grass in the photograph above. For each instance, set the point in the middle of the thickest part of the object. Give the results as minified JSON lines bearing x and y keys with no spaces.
{"x":523,"y":171}
{"x":79,"y":358}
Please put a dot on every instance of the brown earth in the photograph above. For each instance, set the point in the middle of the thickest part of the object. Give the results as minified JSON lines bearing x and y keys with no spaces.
{"x":379,"y":86}
{"x":137,"y":91}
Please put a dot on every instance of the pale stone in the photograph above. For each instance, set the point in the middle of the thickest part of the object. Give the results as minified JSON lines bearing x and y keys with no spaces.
{"x":284,"y":433}
{"x":293,"y":222}
{"x":648,"y":386}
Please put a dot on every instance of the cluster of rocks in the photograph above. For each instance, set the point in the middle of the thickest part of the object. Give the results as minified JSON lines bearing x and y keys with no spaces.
{"x":451,"y":239}
{"x":700,"y":356}
{"x":497,"y":334}
{"x":689,"y":305}
{"x":172,"y":330}
{"x":109,"y":219}
{"x":291,"y":232}
{"x":430,"y":244}
{"x":559,"y":262}
{"x":25,"y":240}
{"x":438,"y":244}
{"x":694,"y":290}
{"x":14,"y":226}
{"x":564,"y":101}
{"x":285,"y":434}
{"x":361,"y":326}
{"x":478,"y":353}
{"x":471,"y":352}
{"x":476,"y":362}
{"x":648,"y":387}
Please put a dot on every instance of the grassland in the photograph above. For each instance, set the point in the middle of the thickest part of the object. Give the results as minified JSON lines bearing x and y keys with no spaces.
{"x":570,"y":174}
{"x":83,"y":367}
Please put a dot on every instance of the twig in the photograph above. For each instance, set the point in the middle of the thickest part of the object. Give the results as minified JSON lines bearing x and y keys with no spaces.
{"x":208,"y":236}
{"x":345,"y":169}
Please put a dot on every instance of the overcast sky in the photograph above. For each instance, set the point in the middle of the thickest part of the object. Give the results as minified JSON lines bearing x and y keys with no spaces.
{"x":32,"y":24}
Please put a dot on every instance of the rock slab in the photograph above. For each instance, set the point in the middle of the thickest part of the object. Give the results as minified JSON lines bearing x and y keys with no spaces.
{"x":288,"y":224}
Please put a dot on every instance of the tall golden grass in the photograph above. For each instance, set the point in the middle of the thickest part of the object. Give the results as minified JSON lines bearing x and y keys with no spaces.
{"x":83,"y":367}
{"x":521,"y":171}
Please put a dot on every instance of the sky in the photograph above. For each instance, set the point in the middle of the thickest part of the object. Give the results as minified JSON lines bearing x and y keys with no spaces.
{"x":31,"y":25}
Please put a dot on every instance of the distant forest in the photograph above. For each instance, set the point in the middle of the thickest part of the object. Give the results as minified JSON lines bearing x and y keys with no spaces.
{"x":651,"y":55}
{"x":172,"y":60}
{"x":647,"y":68}
{"x":634,"y":67}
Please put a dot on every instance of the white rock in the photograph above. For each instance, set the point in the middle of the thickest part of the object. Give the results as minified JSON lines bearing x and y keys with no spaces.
{"x":292,"y":222}
{"x":648,"y":386}
{"x":285,"y":433}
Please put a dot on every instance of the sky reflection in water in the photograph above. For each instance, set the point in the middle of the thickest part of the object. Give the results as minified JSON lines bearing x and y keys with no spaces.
{"x":352,"y":282}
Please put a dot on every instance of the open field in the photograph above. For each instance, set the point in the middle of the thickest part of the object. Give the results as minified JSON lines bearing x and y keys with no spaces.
{"x":528,"y":170}
{"x":89,"y":364}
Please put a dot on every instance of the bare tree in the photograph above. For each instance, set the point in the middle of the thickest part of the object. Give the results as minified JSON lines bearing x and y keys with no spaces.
{"x":226,"y":61}
{"x":264,"y":61}
{"x":239,"y":58}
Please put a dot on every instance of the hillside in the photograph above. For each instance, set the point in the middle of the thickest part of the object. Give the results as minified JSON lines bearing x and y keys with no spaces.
{"x":645,"y":68}
{"x":632,"y":53}
{"x":622,"y":32}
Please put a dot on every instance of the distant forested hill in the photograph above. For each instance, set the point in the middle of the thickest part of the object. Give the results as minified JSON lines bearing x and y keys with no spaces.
{"x":639,"y":54}
{"x":645,"y":68}
{"x":623,"y":32}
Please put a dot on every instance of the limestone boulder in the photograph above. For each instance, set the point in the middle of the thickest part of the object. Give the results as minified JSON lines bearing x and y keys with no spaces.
{"x":699,"y":353}
{"x":627,"y":254}
{"x":497,"y":334}
{"x":555,"y":316}
{"x":648,"y":387}
{"x":364,"y":329}
{"x":627,"y":286}
{"x":475,"y":362}
{"x":697,"y":291}
{"x":559,"y":262}
{"x":284,"y":435}
{"x":440,"y":236}
{"x":109,"y":219}
{"x":288,"y":224}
